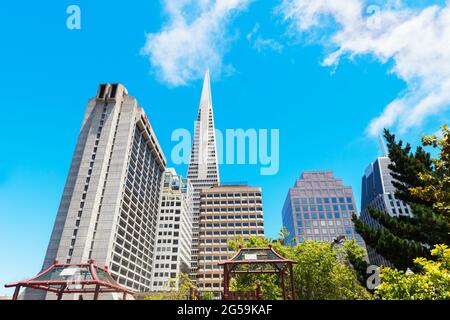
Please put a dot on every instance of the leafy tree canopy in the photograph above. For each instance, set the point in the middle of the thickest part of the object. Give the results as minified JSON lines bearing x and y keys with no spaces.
{"x":431,"y":282}
{"x":424,"y":183}
{"x":184,"y":286}
{"x":323,"y":272}
{"x":434,"y":185}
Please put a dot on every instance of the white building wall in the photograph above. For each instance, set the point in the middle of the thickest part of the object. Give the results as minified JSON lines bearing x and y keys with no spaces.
{"x":174,"y":233}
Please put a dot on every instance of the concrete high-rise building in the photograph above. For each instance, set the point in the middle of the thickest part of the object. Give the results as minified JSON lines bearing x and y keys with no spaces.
{"x":203,"y":171}
{"x":226,"y":212}
{"x":378,"y":192}
{"x":109,"y":208}
{"x":174,"y":232}
{"x":319,"y":207}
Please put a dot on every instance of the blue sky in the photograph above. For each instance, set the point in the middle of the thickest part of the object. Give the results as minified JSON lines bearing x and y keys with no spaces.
{"x":271,"y":69}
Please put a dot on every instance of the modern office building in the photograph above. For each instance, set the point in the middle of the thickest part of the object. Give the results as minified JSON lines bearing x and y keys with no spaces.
{"x":378,"y":193}
{"x":109,"y":209}
{"x":203,"y":171}
{"x":174,"y":233}
{"x":226,"y":212}
{"x":319,"y":207}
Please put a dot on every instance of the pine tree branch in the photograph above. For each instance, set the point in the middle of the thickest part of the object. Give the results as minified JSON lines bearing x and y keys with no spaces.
{"x":425,"y":226}
{"x":398,"y":251}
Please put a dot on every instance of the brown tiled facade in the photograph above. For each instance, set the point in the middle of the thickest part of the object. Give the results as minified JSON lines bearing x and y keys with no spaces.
{"x":226,"y":213}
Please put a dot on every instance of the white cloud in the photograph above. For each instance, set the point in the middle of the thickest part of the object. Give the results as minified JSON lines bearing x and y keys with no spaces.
{"x":416,"y":40}
{"x":194,"y":38}
{"x":262,"y":44}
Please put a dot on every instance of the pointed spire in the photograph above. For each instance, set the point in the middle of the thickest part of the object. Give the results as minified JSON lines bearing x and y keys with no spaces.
{"x":203,"y":170}
{"x":206,"y":91}
{"x":204,"y":165}
{"x":383,"y":147}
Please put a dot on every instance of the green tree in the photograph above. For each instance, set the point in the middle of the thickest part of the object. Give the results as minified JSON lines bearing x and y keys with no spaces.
{"x":435,"y":184}
{"x":269,"y":283}
{"x":402,"y":239}
{"x":322,"y":275}
{"x":431,"y":282}
{"x":323,"y":271}
{"x":184,"y":286}
{"x":405,"y":167}
{"x":356,"y":256}
{"x":284,"y":235}
{"x":160,"y":296}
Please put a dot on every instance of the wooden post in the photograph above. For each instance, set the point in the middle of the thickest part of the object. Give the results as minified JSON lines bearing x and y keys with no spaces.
{"x":61,"y":292}
{"x":226,"y":282}
{"x":97,"y":289}
{"x":16,"y":293}
{"x":283,"y":287}
{"x":258,"y":292}
{"x":124,"y":298}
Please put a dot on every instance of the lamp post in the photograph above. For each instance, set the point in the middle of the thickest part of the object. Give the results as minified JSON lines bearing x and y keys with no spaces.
{"x":409,"y":272}
{"x":337,"y":241}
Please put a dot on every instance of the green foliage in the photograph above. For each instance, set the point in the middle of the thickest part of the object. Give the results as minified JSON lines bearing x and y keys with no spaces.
{"x":356,"y":256}
{"x":400,"y":252}
{"x":269,"y":284}
{"x":428,"y":227}
{"x":160,"y":296}
{"x":206,"y":295}
{"x":431,"y":282}
{"x":322,"y":275}
{"x":323,"y":272}
{"x":252,"y":242}
{"x":284,"y":235}
{"x":435,"y":188}
{"x":184,"y":286}
{"x":424,"y":183}
{"x":248,"y":282}
{"x":405,"y":167}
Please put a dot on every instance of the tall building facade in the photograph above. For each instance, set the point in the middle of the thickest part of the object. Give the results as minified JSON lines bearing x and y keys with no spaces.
{"x":378,"y":193}
{"x":319,"y":207}
{"x":109,"y":208}
{"x":203,"y":171}
{"x":226,"y":212}
{"x":174,"y":232}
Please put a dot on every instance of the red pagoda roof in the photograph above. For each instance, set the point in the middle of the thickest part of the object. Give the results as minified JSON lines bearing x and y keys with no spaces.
{"x":73,"y":278}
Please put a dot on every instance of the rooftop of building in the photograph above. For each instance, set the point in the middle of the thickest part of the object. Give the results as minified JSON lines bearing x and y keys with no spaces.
{"x":234,"y":184}
{"x":317,"y":176}
{"x":115,"y":91}
{"x":322,"y":182}
{"x":369,"y":169}
{"x":232,"y":188}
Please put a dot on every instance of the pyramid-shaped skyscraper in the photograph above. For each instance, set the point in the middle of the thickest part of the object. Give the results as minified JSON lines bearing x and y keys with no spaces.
{"x":203,"y":169}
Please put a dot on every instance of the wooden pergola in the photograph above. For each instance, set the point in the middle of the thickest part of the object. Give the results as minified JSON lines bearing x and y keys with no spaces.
{"x":87,"y":278}
{"x":259,"y":261}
